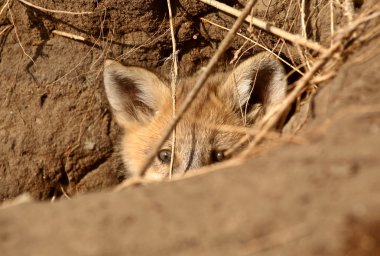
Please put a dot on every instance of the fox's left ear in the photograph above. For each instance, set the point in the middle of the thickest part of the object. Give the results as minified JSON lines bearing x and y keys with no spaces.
{"x":135,"y":94}
{"x":258,"y":81}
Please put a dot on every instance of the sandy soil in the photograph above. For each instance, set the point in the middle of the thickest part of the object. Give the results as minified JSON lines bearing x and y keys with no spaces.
{"x":320,"y":197}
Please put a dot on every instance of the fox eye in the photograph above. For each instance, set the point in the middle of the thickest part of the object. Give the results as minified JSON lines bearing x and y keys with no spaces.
{"x":165,"y":156}
{"x":217,"y":156}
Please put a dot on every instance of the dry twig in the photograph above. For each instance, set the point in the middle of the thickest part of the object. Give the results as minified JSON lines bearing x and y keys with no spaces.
{"x":331,"y":21}
{"x":349,"y":11}
{"x":69,"y":35}
{"x":52,"y":11}
{"x":258,"y":44}
{"x":4,"y":6}
{"x":5,"y":29}
{"x":174,"y":72}
{"x":16,"y":33}
{"x":296,"y":39}
{"x":271,"y":135}
{"x":64,"y":192}
{"x":303,"y":19}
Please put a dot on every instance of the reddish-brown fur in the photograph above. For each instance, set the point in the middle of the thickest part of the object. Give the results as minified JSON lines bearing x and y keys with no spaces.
{"x":142,"y":105}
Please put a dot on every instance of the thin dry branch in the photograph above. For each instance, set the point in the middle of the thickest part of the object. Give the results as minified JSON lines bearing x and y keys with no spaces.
{"x":258,"y":44}
{"x":351,"y":27}
{"x":349,"y":10}
{"x":252,"y":131}
{"x":52,"y":11}
{"x":331,"y":21}
{"x":64,"y":192}
{"x":200,"y":82}
{"x":5,"y":29}
{"x":174,"y":73}
{"x":148,"y":42}
{"x":303,"y":19}
{"x":4,"y":6}
{"x":296,"y":39}
{"x":76,"y":37}
{"x":69,"y":35}
{"x":12,"y":19}
{"x":78,"y":64}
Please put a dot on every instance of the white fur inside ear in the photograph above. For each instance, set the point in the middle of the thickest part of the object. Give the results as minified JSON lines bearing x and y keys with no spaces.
{"x":261,"y":77}
{"x":245,"y":87}
{"x":113,"y":92}
{"x":145,"y":94}
{"x":143,"y":83}
{"x":277,"y":89}
{"x":133,"y":92}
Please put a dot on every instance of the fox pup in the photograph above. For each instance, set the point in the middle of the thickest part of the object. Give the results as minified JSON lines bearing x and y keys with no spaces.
{"x":142,"y":105}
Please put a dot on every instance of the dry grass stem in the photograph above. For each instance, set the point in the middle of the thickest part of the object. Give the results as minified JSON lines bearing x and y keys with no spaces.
{"x":64,"y":192}
{"x":4,"y":6}
{"x":303,"y":19}
{"x":94,"y":44}
{"x":52,"y":11}
{"x":230,"y":163}
{"x":150,"y":41}
{"x":252,"y":131}
{"x":69,"y":35}
{"x":258,"y":44}
{"x":5,"y":29}
{"x":349,"y":10}
{"x":17,"y":36}
{"x":332,"y":31}
{"x":296,"y":39}
{"x":200,"y":82}
{"x":351,"y":27}
{"x":174,"y":77}
{"x":324,"y":77}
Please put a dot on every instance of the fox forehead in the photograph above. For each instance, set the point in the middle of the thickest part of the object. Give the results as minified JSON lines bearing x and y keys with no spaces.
{"x":198,"y":132}
{"x":208,"y":113}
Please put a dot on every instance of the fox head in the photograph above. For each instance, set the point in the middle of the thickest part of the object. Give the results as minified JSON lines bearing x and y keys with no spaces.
{"x":142,"y":105}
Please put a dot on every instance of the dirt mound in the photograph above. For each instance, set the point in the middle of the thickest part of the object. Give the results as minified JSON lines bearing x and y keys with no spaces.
{"x":317,"y":197}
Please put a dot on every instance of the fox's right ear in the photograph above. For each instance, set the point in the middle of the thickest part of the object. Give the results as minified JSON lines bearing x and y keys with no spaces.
{"x":257,"y":83}
{"x":133,"y":93}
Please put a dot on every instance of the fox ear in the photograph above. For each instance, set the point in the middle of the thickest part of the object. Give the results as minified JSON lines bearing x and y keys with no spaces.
{"x":133,"y":93}
{"x":258,"y":82}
